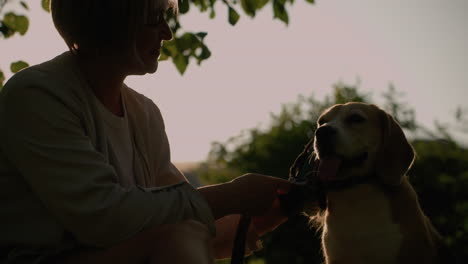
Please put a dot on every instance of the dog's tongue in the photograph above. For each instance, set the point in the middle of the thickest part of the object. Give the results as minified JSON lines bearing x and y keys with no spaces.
{"x":328,"y":168}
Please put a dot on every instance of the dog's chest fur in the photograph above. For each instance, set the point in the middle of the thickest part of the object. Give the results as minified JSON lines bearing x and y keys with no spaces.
{"x":358,"y":227}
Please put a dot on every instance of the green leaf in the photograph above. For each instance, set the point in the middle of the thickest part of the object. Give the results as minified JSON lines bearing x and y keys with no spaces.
{"x":184,"y":6}
{"x":163,"y":57}
{"x":2,"y":79}
{"x":46,"y":5}
{"x":24,"y":5}
{"x":279,"y":11}
{"x":17,"y":23}
{"x":5,"y":30}
{"x":201,"y":4}
{"x":201,"y":35}
{"x":181,"y":62}
{"x":252,"y":6}
{"x":18,"y":66}
{"x":169,"y":48}
{"x":261,"y":3}
{"x":249,"y":7}
{"x":165,"y":53}
{"x":233,"y":16}
{"x":212,"y":13}
{"x":205,"y":54}
{"x":173,"y":22}
{"x":187,"y":41}
{"x":311,"y":1}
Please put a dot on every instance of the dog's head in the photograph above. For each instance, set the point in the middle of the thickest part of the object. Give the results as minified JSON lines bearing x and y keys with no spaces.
{"x":362,"y":139}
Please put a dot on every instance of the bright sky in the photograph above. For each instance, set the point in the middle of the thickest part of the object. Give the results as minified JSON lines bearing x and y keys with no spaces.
{"x":420,"y":46}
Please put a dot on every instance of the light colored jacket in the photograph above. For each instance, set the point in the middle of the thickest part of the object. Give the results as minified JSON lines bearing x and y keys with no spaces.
{"x":57,"y":184}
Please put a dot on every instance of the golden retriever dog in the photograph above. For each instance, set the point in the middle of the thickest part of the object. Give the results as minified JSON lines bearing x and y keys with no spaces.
{"x":372,"y":213}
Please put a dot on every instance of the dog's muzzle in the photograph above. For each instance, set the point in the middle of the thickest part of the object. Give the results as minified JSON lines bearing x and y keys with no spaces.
{"x":313,"y":178}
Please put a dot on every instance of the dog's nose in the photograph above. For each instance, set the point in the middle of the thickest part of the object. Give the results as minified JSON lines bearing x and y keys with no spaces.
{"x":325,"y":133}
{"x":325,"y":140}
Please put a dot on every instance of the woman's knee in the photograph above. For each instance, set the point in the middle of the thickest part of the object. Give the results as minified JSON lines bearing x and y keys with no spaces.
{"x":184,"y":228}
{"x":185,"y":242}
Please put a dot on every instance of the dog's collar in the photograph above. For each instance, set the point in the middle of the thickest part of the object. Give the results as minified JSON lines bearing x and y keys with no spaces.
{"x":339,"y":185}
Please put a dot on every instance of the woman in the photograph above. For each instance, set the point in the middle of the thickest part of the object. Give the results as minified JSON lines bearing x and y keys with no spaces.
{"x":85,"y":170}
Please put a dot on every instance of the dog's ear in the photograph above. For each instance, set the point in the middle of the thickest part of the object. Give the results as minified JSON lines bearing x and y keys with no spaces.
{"x":303,"y":157}
{"x":395,"y":155}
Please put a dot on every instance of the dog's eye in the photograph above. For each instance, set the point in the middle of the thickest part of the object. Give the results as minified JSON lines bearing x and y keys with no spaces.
{"x":355,"y":118}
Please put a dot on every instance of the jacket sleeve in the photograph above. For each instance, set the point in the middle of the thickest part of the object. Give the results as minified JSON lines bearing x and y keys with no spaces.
{"x":43,"y":136}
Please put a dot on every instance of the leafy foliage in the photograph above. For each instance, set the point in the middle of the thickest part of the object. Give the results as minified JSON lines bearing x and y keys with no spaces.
{"x":12,"y":23}
{"x":45,"y":5}
{"x":439,"y":175}
{"x":2,"y":79}
{"x":233,"y":16}
{"x":250,"y":7}
{"x":186,"y":46}
{"x":279,"y":10}
{"x":18,"y":66}
{"x":24,"y":5}
{"x":400,"y":111}
{"x":181,"y":57}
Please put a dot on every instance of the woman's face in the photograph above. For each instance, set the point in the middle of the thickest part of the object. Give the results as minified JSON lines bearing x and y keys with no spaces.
{"x":149,"y":41}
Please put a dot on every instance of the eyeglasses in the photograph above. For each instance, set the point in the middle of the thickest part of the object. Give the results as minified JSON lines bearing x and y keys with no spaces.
{"x":156,"y":18}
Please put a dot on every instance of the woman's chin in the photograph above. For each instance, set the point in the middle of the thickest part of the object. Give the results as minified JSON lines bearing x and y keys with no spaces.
{"x":153,"y":68}
{"x":147,"y":68}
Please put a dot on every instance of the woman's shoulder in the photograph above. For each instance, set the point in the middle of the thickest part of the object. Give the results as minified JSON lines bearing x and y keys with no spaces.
{"x":52,"y":82}
{"x":58,"y":70}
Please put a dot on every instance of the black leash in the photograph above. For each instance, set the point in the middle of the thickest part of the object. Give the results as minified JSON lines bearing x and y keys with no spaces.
{"x":238,"y":250}
{"x":291,"y":203}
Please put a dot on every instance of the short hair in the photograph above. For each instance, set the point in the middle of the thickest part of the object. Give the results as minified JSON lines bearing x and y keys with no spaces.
{"x":97,"y":24}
